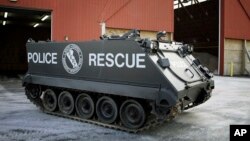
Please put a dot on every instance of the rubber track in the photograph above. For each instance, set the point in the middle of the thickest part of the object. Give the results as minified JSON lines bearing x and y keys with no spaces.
{"x":149,"y":124}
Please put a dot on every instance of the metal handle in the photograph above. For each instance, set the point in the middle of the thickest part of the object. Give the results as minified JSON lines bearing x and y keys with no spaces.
{"x":190,"y":72}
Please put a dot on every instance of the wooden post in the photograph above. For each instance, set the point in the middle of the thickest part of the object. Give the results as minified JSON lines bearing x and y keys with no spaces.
{"x":243,"y":58}
{"x":231,"y":69}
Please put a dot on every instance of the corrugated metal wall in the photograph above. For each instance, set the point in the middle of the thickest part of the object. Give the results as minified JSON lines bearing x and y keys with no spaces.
{"x":80,"y":19}
{"x":237,"y":20}
{"x":235,"y":27}
{"x":77,"y":19}
{"x":142,"y":14}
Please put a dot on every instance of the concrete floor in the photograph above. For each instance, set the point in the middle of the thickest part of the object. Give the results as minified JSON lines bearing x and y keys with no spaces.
{"x":20,"y":120}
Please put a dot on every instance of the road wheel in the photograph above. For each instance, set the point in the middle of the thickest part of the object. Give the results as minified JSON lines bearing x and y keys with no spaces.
{"x":84,"y":106}
{"x":106,"y":109}
{"x":132,"y":114}
{"x":49,"y":100}
{"x":66,"y":103}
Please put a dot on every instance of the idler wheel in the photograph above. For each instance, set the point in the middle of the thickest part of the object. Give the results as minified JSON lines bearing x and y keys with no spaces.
{"x":66,"y":103}
{"x":106,"y":109}
{"x":33,"y":91}
{"x":84,"y":106}
{"x":132,"y":114}
{"x":49,"y":100}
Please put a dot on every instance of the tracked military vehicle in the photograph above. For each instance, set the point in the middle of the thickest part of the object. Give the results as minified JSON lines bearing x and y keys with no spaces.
{"x":121,"y":82}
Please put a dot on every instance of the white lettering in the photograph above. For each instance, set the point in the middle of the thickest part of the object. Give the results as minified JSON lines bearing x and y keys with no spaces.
{"x":243,"y":131}
{"x":140,"y":60}
{"x":100,"y":59}
{"x":29,"y":57}
{"x":92,"y":58}
{"x":133,"y":61}
{"x":35,"y":57}
{"x":42,"y":58}
{"x":116,"y":60}
{"x":239,"y":132}
{"x":54,"y":58}
{"x":48,"y":61}
{"x":110,"y":61}
{"x":119,"y":60}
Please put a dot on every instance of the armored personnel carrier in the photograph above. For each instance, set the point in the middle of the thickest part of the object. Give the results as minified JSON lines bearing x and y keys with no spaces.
{"x":121,"y":82}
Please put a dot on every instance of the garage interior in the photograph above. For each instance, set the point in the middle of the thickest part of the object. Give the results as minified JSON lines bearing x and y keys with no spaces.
{"x":16,"y":27}
{"x":197,"y":23}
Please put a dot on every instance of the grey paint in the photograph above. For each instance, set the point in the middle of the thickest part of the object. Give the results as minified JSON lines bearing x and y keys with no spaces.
{"x":151,"y":82}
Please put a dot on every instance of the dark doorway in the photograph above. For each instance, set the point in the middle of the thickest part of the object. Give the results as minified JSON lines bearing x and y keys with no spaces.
{"x":16,"y":27}
{"x":198,"y":24}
